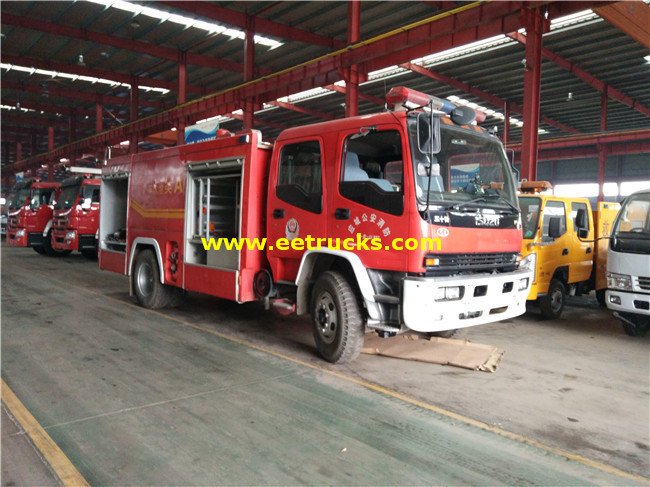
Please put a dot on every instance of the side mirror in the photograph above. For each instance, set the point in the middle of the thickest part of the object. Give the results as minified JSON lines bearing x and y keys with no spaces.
{"x":554,"y":227}
{"x":581,"y":220}
{"x":428,"y":128}
{"x":34,"y":204}
{"x":86,"y":204}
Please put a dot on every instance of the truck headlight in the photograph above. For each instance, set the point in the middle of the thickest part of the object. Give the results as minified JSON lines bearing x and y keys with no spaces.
{"x":20,"y":233}
{"x":619,"y":281}
{"x":452,"y":293}
{"x":70,"y":235}
{"x":529,"y":263}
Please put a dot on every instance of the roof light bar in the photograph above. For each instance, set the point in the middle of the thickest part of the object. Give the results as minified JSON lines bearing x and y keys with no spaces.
{"x":402,"y":98}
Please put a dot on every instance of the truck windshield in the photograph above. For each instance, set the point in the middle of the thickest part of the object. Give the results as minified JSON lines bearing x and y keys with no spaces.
{"x":470,"y":171}
{"x":18,"y":199}
{"x":68,"y":196}
{"x":529,"y":215}
{"x":41,"y":196}
{"x":634,"y":218}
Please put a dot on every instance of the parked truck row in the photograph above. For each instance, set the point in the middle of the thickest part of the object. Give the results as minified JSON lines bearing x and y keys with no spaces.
{"x":420,"y":171}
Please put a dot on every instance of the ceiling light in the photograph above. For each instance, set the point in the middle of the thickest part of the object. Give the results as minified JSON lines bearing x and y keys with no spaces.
{"x":80,"y":62}
{"x":569,"y":96}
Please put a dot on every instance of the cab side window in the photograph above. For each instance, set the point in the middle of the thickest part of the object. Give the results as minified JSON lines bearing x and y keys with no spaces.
{"x":553,"y":209}
{"x":372,"y":170}
{"x":300,"y":176}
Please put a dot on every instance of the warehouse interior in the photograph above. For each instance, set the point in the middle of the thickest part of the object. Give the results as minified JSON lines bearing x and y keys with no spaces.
{"x":99,"y":390}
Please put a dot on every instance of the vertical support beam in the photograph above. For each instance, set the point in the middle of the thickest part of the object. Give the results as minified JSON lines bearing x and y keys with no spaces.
{"x":133,"y":113}
{"x":72,"y":126}
{"x":249,"y":70}
{"x":535,"y":26}
{"x":50,"y":147}
{"x":506,"y":124}
{"x":99,"y":121}
{"x":19,"y":151}
{"x":182,"y":95}
{"x":352,"y":73}
{"x":134,"y":99}
{"x":602,"y":148}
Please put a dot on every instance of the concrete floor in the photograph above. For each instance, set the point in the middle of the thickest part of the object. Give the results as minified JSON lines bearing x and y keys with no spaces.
{"x":215,"y":393}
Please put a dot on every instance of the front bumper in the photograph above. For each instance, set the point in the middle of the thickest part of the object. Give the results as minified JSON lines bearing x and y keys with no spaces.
{"x":21,"y":238}
{"x":628,"y":302}
{"x":485,"y":298}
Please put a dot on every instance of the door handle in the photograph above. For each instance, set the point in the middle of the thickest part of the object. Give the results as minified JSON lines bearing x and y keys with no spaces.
{"x":278,"y":213}
{"x":565,"y":251}
{"x":342,"y":214}
{"x":589,"y":250}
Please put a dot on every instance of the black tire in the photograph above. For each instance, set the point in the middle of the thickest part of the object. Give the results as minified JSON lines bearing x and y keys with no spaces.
{"x":337,"y":323}
{"x":49,"y":250}
{"x":639,"y":326}
{"x":552,"y":303}
{"x":600,"y":297}
{"x":149,"y":291}
{"x":443,"y":334}
{"x":39,"y":249}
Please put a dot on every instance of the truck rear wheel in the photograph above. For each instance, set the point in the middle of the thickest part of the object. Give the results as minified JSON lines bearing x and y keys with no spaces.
{"x":552,"y":303}
{"x":336,"y":319}
{"x":635,"y":325}
{"x":149,"y":291}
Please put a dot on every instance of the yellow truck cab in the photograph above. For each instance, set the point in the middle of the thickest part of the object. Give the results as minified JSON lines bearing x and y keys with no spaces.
{"x":556,"y":237}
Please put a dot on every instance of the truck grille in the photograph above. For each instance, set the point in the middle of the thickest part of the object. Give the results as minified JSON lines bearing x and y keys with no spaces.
{"x":60,"y":222}
{"x":468,"y":263}
{"x":644,"y":283}
{"x":13,"y":221}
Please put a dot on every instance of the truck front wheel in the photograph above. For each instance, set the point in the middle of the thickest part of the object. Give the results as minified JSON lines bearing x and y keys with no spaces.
{"x":635,"y":325}
{"x":149,"y":291}
{"x":337,"y":323}
{"x":552,"y":303}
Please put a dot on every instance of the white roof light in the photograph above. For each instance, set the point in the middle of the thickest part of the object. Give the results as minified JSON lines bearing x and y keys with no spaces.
{"x":164,"y":16}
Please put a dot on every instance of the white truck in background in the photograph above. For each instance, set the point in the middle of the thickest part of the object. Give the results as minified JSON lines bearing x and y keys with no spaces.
{"x":628,"y":265}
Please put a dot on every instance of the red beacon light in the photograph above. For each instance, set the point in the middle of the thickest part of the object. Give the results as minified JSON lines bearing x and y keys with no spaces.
{"x":403,"y":98}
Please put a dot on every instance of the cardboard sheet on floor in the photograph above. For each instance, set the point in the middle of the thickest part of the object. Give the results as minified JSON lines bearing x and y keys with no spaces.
{"x":444,"y":351}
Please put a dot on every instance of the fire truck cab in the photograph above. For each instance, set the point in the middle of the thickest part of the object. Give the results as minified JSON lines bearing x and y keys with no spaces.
{"x":401,"y":220}
{"x":30,"y":215}
{"x":76,"y":216}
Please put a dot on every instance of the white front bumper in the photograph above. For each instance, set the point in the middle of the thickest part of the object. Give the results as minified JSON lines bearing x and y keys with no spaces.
{"x":485,"y":298}
{"x":627,"y":301}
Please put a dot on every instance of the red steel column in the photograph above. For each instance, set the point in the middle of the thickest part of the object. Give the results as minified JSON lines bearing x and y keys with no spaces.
{"x":99,"y":122}
{"x":182,"y":95}
{"x":352,"y":78}
{"x":602,"y":148}
{"x":19,"y":151}
{"x":535,"y":26}
{"x":50,"y":147}
{"x":506,"y":124}
{"x":249,"y":70}
{"x":133,"y":114}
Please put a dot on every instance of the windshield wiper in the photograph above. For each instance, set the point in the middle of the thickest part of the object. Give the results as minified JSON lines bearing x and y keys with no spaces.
{"x":485,"y":197}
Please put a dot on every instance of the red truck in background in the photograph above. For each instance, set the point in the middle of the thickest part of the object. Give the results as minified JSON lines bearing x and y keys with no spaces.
{"x":76,"y":216}
{"x":320,"y":196}
{"x":29,"y":215}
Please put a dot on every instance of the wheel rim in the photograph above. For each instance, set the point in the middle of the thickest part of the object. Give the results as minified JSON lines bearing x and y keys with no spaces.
{"x":326,"y":318}
{"x":145,"y":279}
{"x":556,"y":300}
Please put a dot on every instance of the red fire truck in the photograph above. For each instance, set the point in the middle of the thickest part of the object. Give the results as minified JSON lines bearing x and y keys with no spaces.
{"x":30,"y":215}
{"x":343,"y":206}
{"x":76,"y":216}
